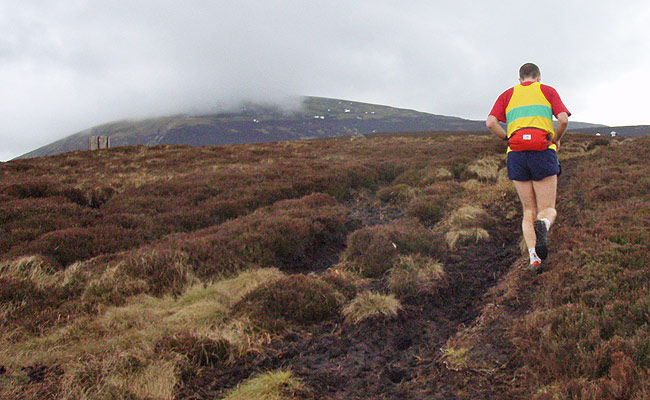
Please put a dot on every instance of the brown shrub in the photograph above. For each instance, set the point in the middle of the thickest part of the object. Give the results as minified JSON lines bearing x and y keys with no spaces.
{"x":66,"y":246}
{"x":97,"y":196}
{"x":410,"y":177}
{"x":297,"y":298}
{"x":32,"y":188}
{"x":29,"y":218}
{"x":77,"y":244}
{"x":588,"y":335}
{"x":436,"y":175}
{"x":93,"y":196}
{"x":140,"y":222}
{"x":75,"y":195}
{"x":222,"y":210}
{"x":372,"y":250}
{"x":34,"y":309}
{"x":343,"y":281}
{"x":429,"y":208}
{"x":449,"y":189}
{"x":287,"y":235}
{"x":113,"y":238}
{"x":187,"y":219}
{"x":14,"y":290}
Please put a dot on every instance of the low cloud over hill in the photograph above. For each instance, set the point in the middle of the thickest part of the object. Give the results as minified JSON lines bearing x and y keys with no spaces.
{"x":311,"y":117}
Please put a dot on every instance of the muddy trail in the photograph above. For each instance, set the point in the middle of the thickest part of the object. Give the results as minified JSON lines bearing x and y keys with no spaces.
{"x":388,"y":359}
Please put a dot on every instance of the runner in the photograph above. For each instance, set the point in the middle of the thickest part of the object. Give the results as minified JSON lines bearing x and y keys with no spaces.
{"x":532,"y":163}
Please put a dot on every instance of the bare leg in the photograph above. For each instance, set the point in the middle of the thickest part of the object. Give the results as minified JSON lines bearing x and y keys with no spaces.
{"x":545,"y":193}
{"x":528,"y":199}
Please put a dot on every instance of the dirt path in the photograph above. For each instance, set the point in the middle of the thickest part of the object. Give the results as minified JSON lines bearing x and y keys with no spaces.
{"x":395,"y":359}
{"x":401,"y":359}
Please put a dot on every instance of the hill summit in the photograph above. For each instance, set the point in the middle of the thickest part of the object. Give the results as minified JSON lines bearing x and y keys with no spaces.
{"x":316,"y":117}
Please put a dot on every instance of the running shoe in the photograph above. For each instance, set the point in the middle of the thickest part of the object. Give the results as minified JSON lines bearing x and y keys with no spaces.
{"x":541,"y":239}
{"x":535,"y":266}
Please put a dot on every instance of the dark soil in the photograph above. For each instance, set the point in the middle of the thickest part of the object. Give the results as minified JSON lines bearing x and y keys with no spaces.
{"x":387,"y":359}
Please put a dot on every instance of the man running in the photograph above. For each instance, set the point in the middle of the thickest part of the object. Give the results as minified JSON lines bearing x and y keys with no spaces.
{"x":532,"y":163}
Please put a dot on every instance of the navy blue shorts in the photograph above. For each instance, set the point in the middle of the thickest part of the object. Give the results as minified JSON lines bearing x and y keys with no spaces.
{"x":532,"y":165}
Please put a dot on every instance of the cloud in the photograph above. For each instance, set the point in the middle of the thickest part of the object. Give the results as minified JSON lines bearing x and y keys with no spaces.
{"x":69,"y":65}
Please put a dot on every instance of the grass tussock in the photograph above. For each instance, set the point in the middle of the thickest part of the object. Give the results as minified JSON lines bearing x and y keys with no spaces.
{"x":273,"y":385}
{"x":343,"y":280}
{"x":467,"y":225}
{"x":485,"y":169}
{"x":32,"y":268}
{"x":468,"y":215}
{"x":118,"y":353}
{"x":439,"y":174}
{"x":415,"y":275}
{"x":456,"y":358}
{"x":112,"y":287}
{"x":126,"y":376}
{"x":466,"y":236}
{"x":166,"y":271}
{"x":196,"y":349}
{"x":156,"y":380}
{"x":371,"y":305}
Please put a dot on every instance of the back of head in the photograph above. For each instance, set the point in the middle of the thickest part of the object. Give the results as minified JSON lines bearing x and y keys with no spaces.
{"x":529,"y":70}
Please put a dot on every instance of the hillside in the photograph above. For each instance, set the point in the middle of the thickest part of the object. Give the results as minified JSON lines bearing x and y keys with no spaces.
{"x":379,"y":268}
{"x":625,"y":131}
{"x":316,"y":118}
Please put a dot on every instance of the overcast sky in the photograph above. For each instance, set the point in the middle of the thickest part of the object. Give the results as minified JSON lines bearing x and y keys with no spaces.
{"x":69,"y":65}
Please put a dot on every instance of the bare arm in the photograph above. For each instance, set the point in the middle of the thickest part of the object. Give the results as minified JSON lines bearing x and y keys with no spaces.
{"x":492,"y":124}
{"x":562,"y":123}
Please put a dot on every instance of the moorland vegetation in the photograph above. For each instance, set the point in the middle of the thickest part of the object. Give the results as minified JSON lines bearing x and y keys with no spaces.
{"x":384,"y":267}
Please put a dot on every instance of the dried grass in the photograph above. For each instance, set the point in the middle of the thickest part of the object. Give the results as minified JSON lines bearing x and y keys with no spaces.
{"x":274,"y":385}
{"x":415,"y":275}
{"x":467,"y":225}
{"x":466,"y":236}
{"x":33,"y":268}
{"x":436,"y":175}
{"x":467,"y":216}
{"x":371,"y":305}
{"x":456,"y":359}
{"x":485,"y":169}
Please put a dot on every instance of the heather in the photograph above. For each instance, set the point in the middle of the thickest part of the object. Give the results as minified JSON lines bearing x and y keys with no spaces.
{"x":380,"y":267}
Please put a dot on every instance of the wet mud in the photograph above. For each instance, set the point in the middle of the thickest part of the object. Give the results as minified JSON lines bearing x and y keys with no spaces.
{"x":399,"y":358}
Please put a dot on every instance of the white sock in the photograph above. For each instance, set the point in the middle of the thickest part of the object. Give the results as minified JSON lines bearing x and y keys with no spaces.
{"x":547,"y":223}
{"x":533,"y":255}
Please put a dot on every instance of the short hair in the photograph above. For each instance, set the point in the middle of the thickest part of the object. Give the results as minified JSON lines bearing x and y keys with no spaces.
{"x":529,"y":70}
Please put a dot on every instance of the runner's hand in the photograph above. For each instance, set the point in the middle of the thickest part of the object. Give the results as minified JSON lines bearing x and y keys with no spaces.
{"x":557,"y":143}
